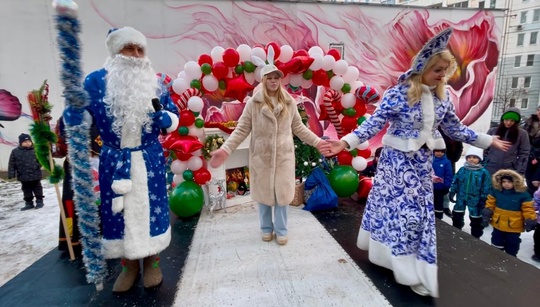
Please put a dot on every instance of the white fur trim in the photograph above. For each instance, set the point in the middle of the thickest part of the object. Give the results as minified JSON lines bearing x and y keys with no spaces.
{"x":113,"y":249}
{"x":122,"y":186}
{"x":483,"y":140}
{"x":174,"y":119}
{"x":118,"y":39}
{"x":352,"y":140}
{"x":117,"y":204}
{"x":408,"y":270}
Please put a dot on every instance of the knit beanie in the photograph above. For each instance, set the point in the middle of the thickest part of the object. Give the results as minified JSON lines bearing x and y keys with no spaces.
{"x":511,"y":115}
{"x":24,"y":137}
{"x":475,"y":151}
{"x":117,"y":39}
{"x":507,"y":177}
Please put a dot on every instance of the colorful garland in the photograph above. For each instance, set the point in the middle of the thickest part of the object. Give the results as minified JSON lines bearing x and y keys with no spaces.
{"x":213,"y":142}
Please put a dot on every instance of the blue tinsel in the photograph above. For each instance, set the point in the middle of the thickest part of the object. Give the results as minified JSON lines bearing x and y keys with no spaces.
{"x":79,"y":148}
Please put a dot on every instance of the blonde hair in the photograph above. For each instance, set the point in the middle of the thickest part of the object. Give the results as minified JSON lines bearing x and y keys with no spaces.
{"x":415,"y":81}
{"x":281,"y":95}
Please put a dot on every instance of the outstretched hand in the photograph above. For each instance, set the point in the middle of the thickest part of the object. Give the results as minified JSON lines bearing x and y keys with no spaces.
{"x":336,"y":146}
{"x":218,"y":158}
{"x":500,"y":144}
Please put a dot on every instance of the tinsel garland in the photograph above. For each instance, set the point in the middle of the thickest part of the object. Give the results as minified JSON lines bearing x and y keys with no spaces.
{"x":78,"y":137}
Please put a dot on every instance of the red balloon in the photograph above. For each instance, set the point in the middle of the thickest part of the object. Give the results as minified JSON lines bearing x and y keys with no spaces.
{"x":187,"y":118}
{"x":320,"y":77}
{"x":360,"y":108}
{"x":220,"y":70}
{"x":230,"y":57}
{"x":300,"y":52}
{"x":364,"y":153}
{"x":202,"y":176}
{"x":205,"y":58}
{"x":181,"y":143}
{"x":348,"y":123}
{"x":296,"y":65}
{"x":344,"y":158}
{"x":275,"y":46}
{"x":238,"y":88}
{"x":183,"y":156}
{"x":364,"y":186}
{"x":334,"y":53}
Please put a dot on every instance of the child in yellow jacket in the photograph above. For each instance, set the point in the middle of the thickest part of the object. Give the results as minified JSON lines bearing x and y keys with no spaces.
{"x":510,"y":209}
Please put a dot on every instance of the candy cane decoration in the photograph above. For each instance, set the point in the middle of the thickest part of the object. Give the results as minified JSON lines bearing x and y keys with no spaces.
{"x":329,"y":97}
{"x":182,"y":103}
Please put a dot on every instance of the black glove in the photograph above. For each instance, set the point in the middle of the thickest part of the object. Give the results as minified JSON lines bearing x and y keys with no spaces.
{"x":530,"y":225}
{"x":452,"y":198}
{"x":486,"y":216}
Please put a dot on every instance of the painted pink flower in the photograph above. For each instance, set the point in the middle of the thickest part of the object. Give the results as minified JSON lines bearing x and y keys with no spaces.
{"x":10,"y":107}
{"x":229,"y":111}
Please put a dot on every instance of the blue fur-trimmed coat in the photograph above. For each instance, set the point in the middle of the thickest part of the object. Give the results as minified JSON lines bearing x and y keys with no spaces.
{"x":142,"y":228}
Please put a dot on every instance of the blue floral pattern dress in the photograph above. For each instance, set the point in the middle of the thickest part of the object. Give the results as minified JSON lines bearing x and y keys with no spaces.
{"x":398,"y":226}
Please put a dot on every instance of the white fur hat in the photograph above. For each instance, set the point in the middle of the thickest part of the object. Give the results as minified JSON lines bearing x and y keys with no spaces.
{"x":119,"y":38}
{"x":475,"y":151}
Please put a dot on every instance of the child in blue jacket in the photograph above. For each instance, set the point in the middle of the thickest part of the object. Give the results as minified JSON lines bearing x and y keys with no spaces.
{"x":470,"y":189}
{"x":442,"y":180}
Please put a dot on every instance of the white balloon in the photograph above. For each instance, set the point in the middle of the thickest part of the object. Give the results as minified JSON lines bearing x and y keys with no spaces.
{"x":306,"y":83}
{"x":296,"y":79}
{"x":359,"y":163}
{"x":257,"y":73}
{"x":340,"y":67}
{"x":210,"y":83}
{"x":197,"y":152}
{"x":195,"y":103}
{"x":351,"y":75}
{"x":194,"y":163}
{"x":315,"y":50}
{"x":363,"y":145}
{"x":328,"y":62}
{"x":178,"y":179}
{"x":285,"y":80}
{"x":259,"y":52}
{"x":348,"y":100}
{"x":250,"y":77}
{"x":286,"y":53}
{"x":180,"y":85}
{"x":336,"y":83}
{"x":193,"y":70}
{"x":317,"y":62}
{"x":355,"y":85}
{"x":196,"y":132}
{"x":217,"y":54}
{"x":245,"y":52}
{"x":182,"y":75}
{"x":178,"y":166}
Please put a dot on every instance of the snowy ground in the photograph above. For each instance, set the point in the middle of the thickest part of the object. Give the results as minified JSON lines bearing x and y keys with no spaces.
{"x":26,"y":236}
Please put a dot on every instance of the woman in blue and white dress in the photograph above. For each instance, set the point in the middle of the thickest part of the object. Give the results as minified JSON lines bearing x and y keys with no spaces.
{"x":398,"y":226}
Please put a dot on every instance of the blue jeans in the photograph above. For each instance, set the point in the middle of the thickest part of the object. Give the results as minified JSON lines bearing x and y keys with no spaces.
{"x":279,"y":226}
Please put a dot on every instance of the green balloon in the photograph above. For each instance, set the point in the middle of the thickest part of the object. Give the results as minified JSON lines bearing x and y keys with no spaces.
{"x":344,"y":180}
{"x":349,"y":112}
{"x":361,"y":119}
{"x":199,"y":123}
{"x":308,"y":74}
{"x":239,"y":69}
{"x":206,"y":68}
{"x":188,"y":175}
{"x":222,"y":85}
{"x":196,"y":113}
{"x":354,"y":152}
{"x":195,"y":84}
{"x":346,"y":88}
{"x":249,"y":66}
{"x":187,"y":199}
{"x":330,"y":74}
{"x":183,"y":130}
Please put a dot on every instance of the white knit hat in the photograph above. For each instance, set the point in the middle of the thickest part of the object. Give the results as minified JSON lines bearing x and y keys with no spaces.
{"x":119,"y":38}
{"x":475,"y":151}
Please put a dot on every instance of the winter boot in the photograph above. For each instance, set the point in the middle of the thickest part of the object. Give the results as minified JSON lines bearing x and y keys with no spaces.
{"x":457,"y":219}
{"x":476,"y":227}
{"x":39,"y":203}
{"x":447,"y":212}
{"x":128,"y":276}
{"x":152,"y":272}
{"x":27,"y":206}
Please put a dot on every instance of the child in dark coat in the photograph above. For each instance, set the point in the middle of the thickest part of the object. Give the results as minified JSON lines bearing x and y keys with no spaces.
{"x":24,"y":165}
{"x":442,"y":180}
{"x":509,"y":208}
{"x":536,"y":236}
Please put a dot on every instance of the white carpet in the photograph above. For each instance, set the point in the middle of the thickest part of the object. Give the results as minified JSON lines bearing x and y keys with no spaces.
{"x":229,"y":265}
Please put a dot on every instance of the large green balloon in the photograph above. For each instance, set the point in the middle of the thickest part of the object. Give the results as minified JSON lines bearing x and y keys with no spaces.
{"x":344,"y":180}
{"x":187,"y":199}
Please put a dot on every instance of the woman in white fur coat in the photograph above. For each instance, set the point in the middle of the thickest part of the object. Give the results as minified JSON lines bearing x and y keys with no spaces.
{"x":398,"y":225}
{"x":271,"y":116}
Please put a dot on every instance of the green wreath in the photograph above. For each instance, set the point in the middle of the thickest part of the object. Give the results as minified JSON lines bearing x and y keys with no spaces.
{"x":213,"y":142}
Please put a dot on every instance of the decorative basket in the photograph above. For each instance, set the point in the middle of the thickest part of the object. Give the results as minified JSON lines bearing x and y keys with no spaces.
{"x":298,"y":195}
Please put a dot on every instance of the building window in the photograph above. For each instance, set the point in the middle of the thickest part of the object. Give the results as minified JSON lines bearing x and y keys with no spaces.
{"x":520,"y":39}
{"x":517,"y":61}
{"x":481,"y":4}
{"x":530,"y":60}
{"x":523,"y":18}
{"x":527,"y":82}
{"x":515,"y":82}
{"x":536,"y":15}
{"x":492,"y":4}
{"x":524,"y":103}
{"x":512,"y":102}
{"x":534,"y":36}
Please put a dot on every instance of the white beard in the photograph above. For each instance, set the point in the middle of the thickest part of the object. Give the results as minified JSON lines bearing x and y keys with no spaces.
{"x":131,"y":84}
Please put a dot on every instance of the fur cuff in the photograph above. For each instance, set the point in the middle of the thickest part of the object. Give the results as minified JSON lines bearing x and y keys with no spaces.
{"x":117,"y":204}
{"x":174,"y":120}
{"x":121,"y":186}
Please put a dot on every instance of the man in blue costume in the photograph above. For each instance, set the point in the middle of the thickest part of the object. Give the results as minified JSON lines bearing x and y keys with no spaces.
{"x":134,"y":204}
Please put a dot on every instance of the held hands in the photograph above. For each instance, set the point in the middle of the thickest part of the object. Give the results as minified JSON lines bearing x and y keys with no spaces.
{"x":499,"y":144}
{"x":218,"y":157}
{"x":335,"y":147}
